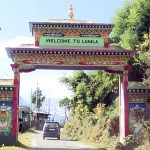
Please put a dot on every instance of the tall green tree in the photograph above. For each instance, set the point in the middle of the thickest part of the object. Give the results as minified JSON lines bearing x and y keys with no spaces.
{"x":132,"y":31}
{"x":131,"y":23}
{"x":89,"y":89}
{"x":121,"y":22}
{"x":66,"y":104}
{"x":38,"y":98}
{"x":147,"y":75}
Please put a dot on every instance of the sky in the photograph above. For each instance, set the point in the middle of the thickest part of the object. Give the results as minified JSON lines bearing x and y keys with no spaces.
{"x":15,"y":16}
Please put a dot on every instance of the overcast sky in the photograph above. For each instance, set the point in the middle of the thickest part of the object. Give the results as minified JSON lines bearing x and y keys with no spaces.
{"x":15,"y":16}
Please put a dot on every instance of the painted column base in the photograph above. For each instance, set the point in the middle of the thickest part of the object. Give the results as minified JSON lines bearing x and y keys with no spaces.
{"x":122,"y":140}
{"x":8,"y":141}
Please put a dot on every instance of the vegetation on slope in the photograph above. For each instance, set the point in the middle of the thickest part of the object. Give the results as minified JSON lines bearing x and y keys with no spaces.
{"x":97,"y":91}
{"x":97,"y":123}
{"x":101,"y":127}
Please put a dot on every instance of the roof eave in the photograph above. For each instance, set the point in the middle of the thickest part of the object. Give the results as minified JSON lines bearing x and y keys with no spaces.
{"x":8,"y":50}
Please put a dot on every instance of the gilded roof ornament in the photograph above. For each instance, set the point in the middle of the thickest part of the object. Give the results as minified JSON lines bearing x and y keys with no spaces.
{"x":70,"y":14}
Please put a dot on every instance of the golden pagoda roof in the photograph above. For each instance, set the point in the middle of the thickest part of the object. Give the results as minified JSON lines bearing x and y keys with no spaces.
{"x":70,"y":14}
{"x":70,"y":22}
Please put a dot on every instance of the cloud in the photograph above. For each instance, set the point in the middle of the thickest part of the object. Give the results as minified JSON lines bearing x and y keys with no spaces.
{"x":5,"y":61}
{"x":17,"y":41}
{"x":48,"y":80}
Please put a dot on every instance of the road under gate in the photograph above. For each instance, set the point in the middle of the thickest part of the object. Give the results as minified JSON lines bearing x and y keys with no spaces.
{"x":53,"y":144}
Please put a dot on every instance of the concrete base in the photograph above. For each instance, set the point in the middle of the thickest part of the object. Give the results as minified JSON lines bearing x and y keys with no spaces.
{"x":8,"y":140}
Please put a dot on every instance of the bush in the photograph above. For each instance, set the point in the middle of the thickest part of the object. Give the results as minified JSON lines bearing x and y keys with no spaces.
{"x":114,"y":126}
{"x":98,"y":127}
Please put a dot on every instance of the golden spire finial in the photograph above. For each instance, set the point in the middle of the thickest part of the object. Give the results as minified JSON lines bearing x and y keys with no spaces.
{"x":70,"y":14}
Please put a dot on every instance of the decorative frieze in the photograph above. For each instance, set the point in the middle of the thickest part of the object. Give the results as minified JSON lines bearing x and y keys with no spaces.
{"x":6,"y":94}
{"x":76,"y":58}
{"x":138,"y":95}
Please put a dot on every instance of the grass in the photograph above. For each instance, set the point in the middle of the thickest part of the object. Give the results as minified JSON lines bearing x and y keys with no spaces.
{"x":24,"y":141}
{"x":100,"y":146}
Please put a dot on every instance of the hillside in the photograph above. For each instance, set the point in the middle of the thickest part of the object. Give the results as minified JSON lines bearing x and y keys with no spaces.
{"x":100,"y":129}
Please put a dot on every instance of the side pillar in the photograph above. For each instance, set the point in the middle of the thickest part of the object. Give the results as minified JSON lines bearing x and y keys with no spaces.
{"x":15,"y":102}
{"x":124,"y":108}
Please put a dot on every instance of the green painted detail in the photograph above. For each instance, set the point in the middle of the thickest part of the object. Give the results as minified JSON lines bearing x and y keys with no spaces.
{"x":6,"y":86}
{"x":71,"y":41}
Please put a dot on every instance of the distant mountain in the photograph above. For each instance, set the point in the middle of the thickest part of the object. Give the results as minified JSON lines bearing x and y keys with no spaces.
{"x":57,"y":117}
{"x":22,"y":102}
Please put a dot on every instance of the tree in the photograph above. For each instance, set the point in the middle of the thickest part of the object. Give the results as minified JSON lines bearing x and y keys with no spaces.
{"x":120,"y":21}
{"x":131,"y":23}
{"x":89,"y":89}
{"x":66,"y":103}
{"x":38,"y":98}
{"x":132,"y":31}
{"x":147,"y":77}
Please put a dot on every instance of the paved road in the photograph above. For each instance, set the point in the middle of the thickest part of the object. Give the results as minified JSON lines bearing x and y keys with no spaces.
{"x":53,"y":144}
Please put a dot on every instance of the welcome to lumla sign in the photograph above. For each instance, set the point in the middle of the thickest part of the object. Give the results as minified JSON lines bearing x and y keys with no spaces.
{"x":72,"y":41}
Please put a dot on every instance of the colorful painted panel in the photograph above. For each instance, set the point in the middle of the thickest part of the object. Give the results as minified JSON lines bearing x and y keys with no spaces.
{"x":137,"y":105}
{"x":71,"y":41}
{"x":5,"y":118}
{"x":6,"y":99}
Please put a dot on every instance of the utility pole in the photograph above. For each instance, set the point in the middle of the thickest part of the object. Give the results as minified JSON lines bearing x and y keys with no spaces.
{"x":37,"y":109}
{"x":49,"y":106}
{"x":31,"y":109}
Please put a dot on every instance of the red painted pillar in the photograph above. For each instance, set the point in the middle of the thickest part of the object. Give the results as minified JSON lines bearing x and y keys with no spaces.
{"x":36,"y":41}
{"x":15,"y":101}
{"x":124,"y":107}
{"x":106,"y":42}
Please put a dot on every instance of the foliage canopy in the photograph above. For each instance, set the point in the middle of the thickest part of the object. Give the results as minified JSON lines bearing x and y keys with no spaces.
{"x":38,"y":98}
{"x":89,"y":89}
{"x":132,"y":31}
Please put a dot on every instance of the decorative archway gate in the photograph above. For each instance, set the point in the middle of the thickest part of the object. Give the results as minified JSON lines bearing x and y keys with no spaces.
{"x":72,"y":45}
